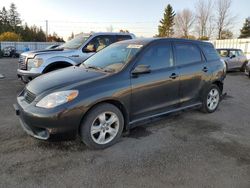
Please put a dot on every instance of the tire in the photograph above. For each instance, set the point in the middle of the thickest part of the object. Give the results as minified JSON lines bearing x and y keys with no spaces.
{"x":210,"y":107}
{"x":96,"y":131}
{"x":226,"y":67}
{"x":242,"y":69}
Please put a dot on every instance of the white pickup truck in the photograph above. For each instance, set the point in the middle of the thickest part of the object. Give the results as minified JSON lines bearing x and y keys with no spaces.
{"x":34,"y":63}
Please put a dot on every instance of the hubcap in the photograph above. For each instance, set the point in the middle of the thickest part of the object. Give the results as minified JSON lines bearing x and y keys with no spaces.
{"x":104,"y":128}
{"x":213,"y":99}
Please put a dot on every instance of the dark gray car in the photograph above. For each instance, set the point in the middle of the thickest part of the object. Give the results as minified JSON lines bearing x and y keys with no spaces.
{"x":234,"y":58}
{"x":120,"y":87}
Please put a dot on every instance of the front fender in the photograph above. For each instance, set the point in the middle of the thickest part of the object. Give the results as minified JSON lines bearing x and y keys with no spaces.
{"x":58,"y":59}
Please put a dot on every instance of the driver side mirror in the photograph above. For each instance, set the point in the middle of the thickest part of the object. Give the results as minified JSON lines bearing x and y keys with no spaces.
{"x":232,"y":56}
{"x":141,"y":69}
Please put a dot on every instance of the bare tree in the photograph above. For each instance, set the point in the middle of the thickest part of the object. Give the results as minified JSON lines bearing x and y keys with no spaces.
{"x":110,"y":28}
{"x":184,"y":21}
{"x":204,"y":16}
{"x":224,"y":17}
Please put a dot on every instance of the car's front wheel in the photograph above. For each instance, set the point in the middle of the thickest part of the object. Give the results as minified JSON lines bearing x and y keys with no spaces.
{"x":102,"y":126}
{"x":247,"y":72}
{"x":211,"y":99}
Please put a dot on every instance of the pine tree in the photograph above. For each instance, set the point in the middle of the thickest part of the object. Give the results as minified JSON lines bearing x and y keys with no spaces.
{"x":5,"y":26}
{"x":71,"y":36}
{"x":245,"y":31}
{"x":13,"y":16}
{"x":4,"y":16}
{"x":165,"y":28}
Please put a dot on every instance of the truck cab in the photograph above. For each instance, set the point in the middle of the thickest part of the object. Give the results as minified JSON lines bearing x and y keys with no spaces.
{"x":34,"y":63}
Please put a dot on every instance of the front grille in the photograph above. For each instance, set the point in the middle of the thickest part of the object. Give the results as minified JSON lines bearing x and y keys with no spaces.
{"x":28,"y":96}
{"x":21,"y":63}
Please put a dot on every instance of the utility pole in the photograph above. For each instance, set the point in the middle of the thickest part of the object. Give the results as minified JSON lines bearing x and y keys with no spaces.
{"x":46,"y":30}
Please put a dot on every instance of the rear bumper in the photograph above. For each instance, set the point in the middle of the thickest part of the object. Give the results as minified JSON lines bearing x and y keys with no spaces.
{"x":47,"y":124}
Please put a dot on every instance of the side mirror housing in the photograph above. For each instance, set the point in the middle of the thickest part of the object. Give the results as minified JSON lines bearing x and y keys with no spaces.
{"x":141,"y":69}
{"x":233,"y":56}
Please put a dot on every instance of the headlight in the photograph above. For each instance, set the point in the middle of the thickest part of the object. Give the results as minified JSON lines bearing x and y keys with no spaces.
{"x":55,"y":99}
{"x":34,"y":63}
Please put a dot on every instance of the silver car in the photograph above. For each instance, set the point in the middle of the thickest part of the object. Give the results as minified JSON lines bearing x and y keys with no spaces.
{"x":234,"y":58}
{"x":34,"y":63}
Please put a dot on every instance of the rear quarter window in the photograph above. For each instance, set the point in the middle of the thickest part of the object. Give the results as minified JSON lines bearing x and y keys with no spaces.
{"x":210,"y":52}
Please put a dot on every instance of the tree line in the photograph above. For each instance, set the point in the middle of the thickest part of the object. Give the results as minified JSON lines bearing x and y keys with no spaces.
{"x":211,"y":18}
{"x":12,"y":29}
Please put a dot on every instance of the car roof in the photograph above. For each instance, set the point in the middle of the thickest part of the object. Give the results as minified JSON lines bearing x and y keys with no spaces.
{"x":145,"y":41}
{"x":111,"y":33}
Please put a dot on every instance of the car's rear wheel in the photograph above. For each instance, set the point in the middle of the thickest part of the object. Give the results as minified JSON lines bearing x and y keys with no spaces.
{"x":211,"y":99}
{"x":102,"y":126}
{"x":243,"y":67}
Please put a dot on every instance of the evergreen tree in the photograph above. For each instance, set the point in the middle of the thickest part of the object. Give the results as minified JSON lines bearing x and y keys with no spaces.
{"x":245,"y":31}
{"x":13,"y":17}
{"x":71,"y":36}
{"x":165,"y":28}
{"x":5,"y":26}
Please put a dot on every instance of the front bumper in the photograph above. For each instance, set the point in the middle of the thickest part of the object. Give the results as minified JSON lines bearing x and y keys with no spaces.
{"x":47,"y":124}
{"x":247,"y":69}
{"x":27,"y":76}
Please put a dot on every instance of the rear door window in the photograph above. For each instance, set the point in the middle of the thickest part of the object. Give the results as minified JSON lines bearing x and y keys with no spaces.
{"x":233,"y":53}
{"x":187,"y":53}
{"x":240,"y":53}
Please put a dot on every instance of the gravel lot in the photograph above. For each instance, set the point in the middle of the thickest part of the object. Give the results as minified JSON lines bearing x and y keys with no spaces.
{"x":189,"y":149}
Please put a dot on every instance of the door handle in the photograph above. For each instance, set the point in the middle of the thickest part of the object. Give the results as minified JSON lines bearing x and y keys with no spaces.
{"x":205,"y":69}
{"x":173,"y":76}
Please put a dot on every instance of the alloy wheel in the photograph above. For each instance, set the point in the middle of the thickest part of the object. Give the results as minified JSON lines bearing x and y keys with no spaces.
{"x":104,"y":128}
{"x":213,"y":99}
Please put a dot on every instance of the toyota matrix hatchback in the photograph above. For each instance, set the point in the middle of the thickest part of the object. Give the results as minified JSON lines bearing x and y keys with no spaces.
{"x":120,"y":86}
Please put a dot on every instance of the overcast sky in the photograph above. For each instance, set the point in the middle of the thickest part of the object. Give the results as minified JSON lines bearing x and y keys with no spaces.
{"x":138,"y":16}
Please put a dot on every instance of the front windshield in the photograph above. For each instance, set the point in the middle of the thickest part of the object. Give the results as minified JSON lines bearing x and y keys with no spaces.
{"x":113,"y":58}
{"x":75,"y":43}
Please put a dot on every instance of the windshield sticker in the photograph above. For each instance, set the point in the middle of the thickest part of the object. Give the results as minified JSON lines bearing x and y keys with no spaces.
{"x":134,"y":46}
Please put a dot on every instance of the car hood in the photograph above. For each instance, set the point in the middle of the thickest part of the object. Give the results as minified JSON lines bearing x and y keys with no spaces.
{"x":49,"y":52}
{"x":63,"y":78}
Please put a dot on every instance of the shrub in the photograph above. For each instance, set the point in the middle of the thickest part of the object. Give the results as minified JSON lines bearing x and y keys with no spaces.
{"x":10,"y":36}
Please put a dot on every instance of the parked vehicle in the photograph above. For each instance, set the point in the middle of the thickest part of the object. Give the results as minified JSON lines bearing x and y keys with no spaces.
{"x":234,"y":58}
{"x":34,"y":63}
{"x":247,"y":69}
{"x":53,"y":46}
{"x":10,"y":51}
{"x":124,"y":84}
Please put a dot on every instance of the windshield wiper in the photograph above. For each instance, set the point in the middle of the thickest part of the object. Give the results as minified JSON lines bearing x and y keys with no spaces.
{"x":94,"y":67}
{"x":98,"y":68}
